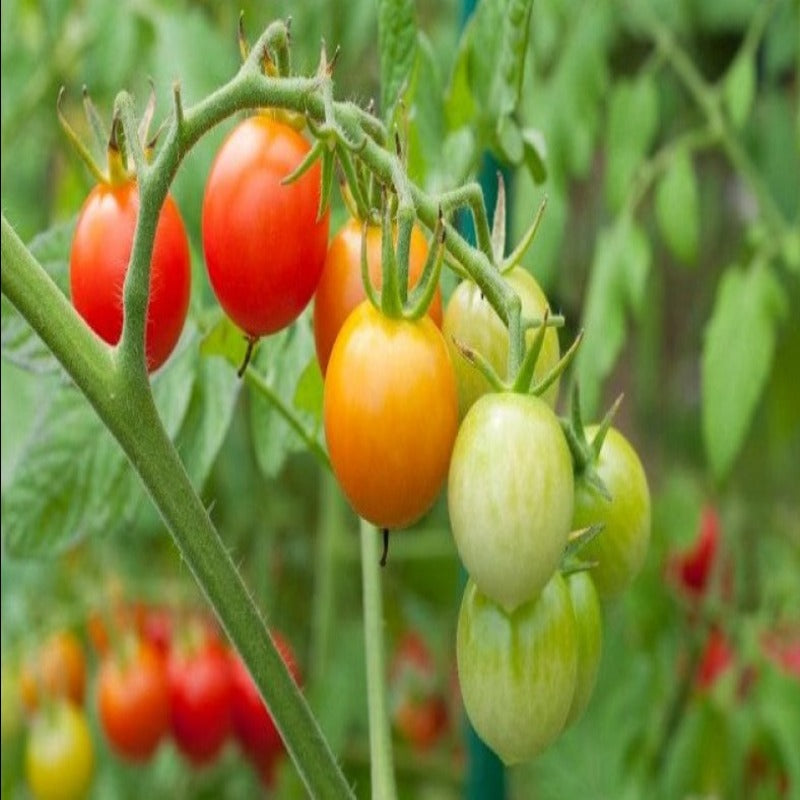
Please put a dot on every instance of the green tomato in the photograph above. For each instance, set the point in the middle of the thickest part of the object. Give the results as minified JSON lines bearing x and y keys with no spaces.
{"x":620,"y":548}
{"x":471,"y":320}
{"x":589,"y":628}
{"x":517,"y":671}
{"x":510,"y":495}
{"x":59,"y":758}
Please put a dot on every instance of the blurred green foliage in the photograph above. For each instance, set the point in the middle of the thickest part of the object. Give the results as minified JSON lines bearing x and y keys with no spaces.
{"x":678,"y":253}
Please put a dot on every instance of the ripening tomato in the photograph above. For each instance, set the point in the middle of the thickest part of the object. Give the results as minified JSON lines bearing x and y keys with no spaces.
{"x":419,"y":709}
{"x":620,"y":548}
{"x":471,"y":320}
{"x":98,"y":264}
{"x":692,"y":568}
{"x":200,"y":700}
{"x":510,"y":495}
{"x":253,"y":725}
{"x":57,"y":670}
{"x":589,"y":630}
{"x":59,"y":758}
{"x":340,"y":288}
{"x":517,"y":671}
{"x":263,"y":244}
{"x":133,"y":701}
{"x":391,"y":414}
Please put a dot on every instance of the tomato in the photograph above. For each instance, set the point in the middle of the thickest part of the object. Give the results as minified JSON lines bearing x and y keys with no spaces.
{"x":716,"y":658}
{"x":589,"y":629}
{"x":58,"y":669}
{"x":253,"y":725}
{"x":510,"y":495}
{"x":59,"y":758}
{"x":263,"y":244}
{"x":471,"y":320}
{"x":693,"y":567}
{"x":340,"y":288}
{"x":620,"y":548}
{"x":419,"y":710}
{"x":133,"y":701}
{"x":391,"y":414}
{"x":781,"y":646}
{"x":98,"y":263}
{"x":200,"y":700}
{"x":517,"y":671}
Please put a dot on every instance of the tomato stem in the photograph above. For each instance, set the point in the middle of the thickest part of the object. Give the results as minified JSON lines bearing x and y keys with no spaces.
{"x":385,"y":553}
{"x":380,"y":739}
{"x":251,"y":343}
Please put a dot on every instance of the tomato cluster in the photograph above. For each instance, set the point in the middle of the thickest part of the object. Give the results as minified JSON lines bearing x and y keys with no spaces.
{"x":158,"y":678}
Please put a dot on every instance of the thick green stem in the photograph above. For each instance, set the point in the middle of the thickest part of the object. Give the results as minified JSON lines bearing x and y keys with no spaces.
{"x":380,"y":737}
{"x":125,"y":404}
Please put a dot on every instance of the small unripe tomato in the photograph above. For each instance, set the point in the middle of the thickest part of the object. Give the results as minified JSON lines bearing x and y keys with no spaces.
{"x":517,"y":670}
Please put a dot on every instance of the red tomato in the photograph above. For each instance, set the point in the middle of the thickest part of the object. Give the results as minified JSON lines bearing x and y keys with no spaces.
{"x":263,"y":244}
{"x":200,"y":700}
{"x":391,"y":415}
{"x":133,"y":701}
{"x":693,"y":567}
{"x":717,"y":656}
{"x":57,"y":670}
{"x":99,"y":261}
{"x":340,"y":288}
{"x":253,"y":725}
{"x":419,"y":710}
{"x":782,"y":647}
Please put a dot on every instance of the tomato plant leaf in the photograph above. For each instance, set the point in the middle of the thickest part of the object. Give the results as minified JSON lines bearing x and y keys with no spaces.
{"x":511,"y":55}
{"x":397,"y":43}
{"x":738,"y":88}
{"x":308,"y":396}
{"x":20,"y":344}
{"x":738,"y":349}
{"x":631,"y":129}
{"x":280,"y":362}
{"x":426,"y":129}
{"x":677,"y":208}
{"x":207,"y":418}
{"x":617,"y":283}
{"x":535,"y":149}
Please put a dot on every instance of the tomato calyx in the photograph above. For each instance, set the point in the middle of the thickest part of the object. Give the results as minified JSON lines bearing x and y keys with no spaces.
{"x":393,"y":298}
{"x":522,"y":382}
{"x":120,"y":167}
{"x":585,"y":453}
{"x":572,"y":562}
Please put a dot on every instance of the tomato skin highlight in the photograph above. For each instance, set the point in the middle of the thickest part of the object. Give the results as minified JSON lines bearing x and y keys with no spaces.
{"x":589,"y":630}
{"x":340,"y":288}
{"x":264,"y":247}
{"x":470,"y":319}
{"x":99,"y":258}
{"x":391,"y":415}
{"x":517,"y":671}
{"x":200,"y":699}
{"x":510,"y":495}
{"x":59,"y":757}
{"x":621,"y":547}
{"x":133,"y":702}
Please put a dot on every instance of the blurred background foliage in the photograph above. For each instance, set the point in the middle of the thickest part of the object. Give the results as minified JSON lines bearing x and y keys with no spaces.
{"x":675,"y":247}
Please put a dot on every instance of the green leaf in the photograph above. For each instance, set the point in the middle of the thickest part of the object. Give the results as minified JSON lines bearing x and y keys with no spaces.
{"x":617,"y":284}
{"x":20,"y":344}
{"x":509,"y":145}
{"x":226,"y":340}
{"x":425,"y":116}
{"x":631,"y":129}
{"x":535,"y":147}
{"x":459,"y":104}
{"x":308,"y":396}
{"x":677,"y":208}
{"x":207,"y":418}
{"x":511,"y":56}
{"x":281,"y":360}
{"x":738,"y":349}
{"x":397,"y":43}
{"x":738,"y":88}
